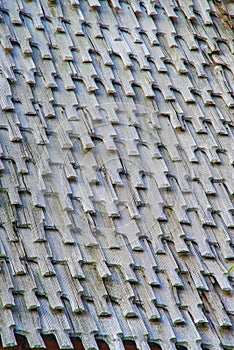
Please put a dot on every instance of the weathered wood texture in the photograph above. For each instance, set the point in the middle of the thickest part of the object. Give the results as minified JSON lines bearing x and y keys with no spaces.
{"x":51,"y":344}
{"x":116,"y":172}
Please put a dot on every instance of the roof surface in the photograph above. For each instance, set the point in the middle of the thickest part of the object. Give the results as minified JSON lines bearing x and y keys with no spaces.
{"x":117,"y":152}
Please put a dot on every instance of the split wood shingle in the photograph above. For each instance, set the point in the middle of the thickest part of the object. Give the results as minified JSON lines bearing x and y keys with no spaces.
{"x":116,"y":172}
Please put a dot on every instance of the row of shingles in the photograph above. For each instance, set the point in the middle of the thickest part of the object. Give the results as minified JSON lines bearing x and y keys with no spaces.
{"x":182,"y":248}
{"x":175,"y":228}
{"x":200,"y":33}
{"x":64,"y":224}
{"x":11,"y":247}
{"x":14,"y":273}
{"x":223,"y":287}
{"x":42,"y":255}
{"x":9,"y":241}
{"x":92,"y":293}
{"x":40,"y":278}
{"x":117,"y":286}
{"x":114,"y":258}
{"x":84,"y":200}
{"x":25,"y":244}
{"x":125,"y":270}
{"x":212,"y":154}
{"x":52,"y":299}
{"x":130,"y":157}
{"x":222,"y":230}
{"x":228,"y":287}
{"x":21,"y":284}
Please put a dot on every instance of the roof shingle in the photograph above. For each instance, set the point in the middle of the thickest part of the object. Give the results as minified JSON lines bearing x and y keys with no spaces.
{"x":116,"y":172}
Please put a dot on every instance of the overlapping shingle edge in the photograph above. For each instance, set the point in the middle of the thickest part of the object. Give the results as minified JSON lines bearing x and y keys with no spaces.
{"x":117,"y":172}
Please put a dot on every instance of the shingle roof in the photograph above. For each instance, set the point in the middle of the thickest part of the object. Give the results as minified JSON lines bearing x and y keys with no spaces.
{"x":117,"y":152}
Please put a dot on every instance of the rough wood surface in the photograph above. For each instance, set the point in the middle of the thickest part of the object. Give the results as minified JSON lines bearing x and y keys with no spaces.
{"x":116,"y":173}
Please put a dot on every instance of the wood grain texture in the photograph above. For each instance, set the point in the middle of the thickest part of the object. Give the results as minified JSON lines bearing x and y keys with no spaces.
{"x":116,"y":173}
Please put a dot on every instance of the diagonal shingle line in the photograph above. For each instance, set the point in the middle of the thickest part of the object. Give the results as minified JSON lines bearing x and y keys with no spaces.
{"x":116,"y":136}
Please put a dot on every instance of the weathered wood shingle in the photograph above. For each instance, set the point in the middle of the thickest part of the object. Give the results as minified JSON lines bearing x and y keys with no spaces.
{"x":116,"y":172}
